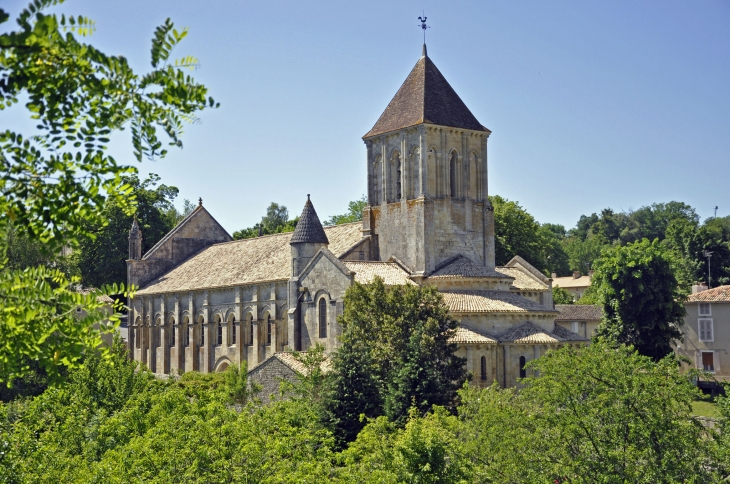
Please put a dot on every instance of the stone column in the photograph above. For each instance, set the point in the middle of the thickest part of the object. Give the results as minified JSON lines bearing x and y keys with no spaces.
{"x":179,"y":337}
{"x":469,"y":363}
{"x":256,"y":343}
{"x":507,"y":366}
{"x":240,"y":343}
{"x":206,"y":364}
{"x":274,"y":337}
{"x":151,"y":350}
{"x":164,"y":338}
{"x":385,"y":170}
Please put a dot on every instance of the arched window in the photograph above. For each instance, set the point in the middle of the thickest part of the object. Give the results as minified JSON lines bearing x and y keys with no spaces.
{"x":453,"y":173}
{"x":137,"y":338}
{"x":484,"y":368}
{"x":250,"y":329}
{"x":232,"y":324}
{"x":219,"y":326}
{"x":268,"y":329}
{"x":202,"y":331}
{"x":523,"y":372}
{"x":186,"y":331}
{"x":322,"y":318}
{"x":172,"y":332}
{"x":156,"y":336}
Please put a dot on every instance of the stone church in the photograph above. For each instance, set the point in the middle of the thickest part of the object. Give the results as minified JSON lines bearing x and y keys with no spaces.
{"x":206,"y":301}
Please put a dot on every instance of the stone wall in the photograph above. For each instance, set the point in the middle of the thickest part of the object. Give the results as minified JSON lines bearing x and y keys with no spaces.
{"x":269,"y":375}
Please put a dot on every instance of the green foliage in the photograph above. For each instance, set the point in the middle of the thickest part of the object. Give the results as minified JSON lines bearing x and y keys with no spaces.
{"x":583,"y":252}
{"x":354,"y":213}
{"x":611,"y":415}
{"x":561,"y":296}
{"x":276,"y":221}
{"x":403,"y":331}
{"x":54,"y":180}
{"x":598,"y":414}
{"x":515,"y":233}
{"x":642,"y":305}
{"x":352,"y":392}
{"x":46,"y":319}
{"x":237,"y":385}
{"x":102,"y":259}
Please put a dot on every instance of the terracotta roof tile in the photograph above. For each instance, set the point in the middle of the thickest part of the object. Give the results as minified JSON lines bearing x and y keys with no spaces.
{"x":391,"y":273}
{"x":530,"y":333}
{"x":522,"y":282}
{"x":491,"y":302}
{"x":568,"y":335}
{"x":716,"y":294}
{"x":460,"y":266}
{"x":246,"y":261}
{"x":466,"y":335}
{"x":425,"y":97}
{"x":579,"y":312}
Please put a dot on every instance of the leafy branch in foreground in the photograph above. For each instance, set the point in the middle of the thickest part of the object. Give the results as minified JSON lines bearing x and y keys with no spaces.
{"x":55,"y":180}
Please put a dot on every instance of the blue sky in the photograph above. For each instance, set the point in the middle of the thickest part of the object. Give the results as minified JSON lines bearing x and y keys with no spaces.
{"x":591,"y":104}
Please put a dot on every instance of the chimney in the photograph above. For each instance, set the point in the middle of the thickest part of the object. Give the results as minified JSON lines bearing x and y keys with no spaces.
{"x":698,"y":287}
{"x":554,"y":275}
{"x":576,"y":274}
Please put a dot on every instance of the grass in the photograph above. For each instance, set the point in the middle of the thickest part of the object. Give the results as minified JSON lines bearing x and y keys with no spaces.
{"x":704,"y":409}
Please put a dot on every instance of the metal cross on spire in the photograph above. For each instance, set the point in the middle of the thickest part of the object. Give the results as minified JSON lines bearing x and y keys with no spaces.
{"x":424,"y":26}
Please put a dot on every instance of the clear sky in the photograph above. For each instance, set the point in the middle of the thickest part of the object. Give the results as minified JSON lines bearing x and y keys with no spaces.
{"x":591,"y":104}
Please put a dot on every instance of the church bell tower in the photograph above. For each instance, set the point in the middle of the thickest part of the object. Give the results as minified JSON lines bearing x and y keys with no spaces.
{"x":427,"y":176}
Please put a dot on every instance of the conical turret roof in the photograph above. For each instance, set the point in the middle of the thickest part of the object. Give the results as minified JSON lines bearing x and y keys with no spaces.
{"x":425,"y":97}
{"x":309,"y":229}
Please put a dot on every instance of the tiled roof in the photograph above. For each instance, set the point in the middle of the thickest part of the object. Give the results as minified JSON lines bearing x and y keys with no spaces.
{"x":102,"y":298}
{"x":460,"y":266}
{"x":716,"y":294}
{"x":530,"y":333}
{"x":309,"y":229}
{"x":522,"y":282}
{"x":245,"y":261}
{"x":289,"y":360}
{"x":567,"y":334}
{"x":425,"y":97}
{"x":466,"y":335}
{"x":570,"y":282}
{"x":391,"y":273}
{"x":579,"y":312}
{"x":491,"y":302}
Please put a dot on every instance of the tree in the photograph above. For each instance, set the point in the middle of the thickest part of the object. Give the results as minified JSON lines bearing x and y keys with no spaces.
{"x":54,"y":181}
{"x":404,"y":331}
{"x":642,"y":305}
{"x":351,"y":392}
{"x":583,"y":252}
{"x":102,"y":260}
{"x":609,"y":414}
{"x":552,"y":251}
{"x":561,"y":296}
{"x":515,"y":233}
{"x":354,"y":213}
{"x":276,"y":221}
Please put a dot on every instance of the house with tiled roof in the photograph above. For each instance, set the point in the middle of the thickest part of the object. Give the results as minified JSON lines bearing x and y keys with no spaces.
{"x":582,"y":319}
{"x":206,"y":301}
{"x":706,"y":330}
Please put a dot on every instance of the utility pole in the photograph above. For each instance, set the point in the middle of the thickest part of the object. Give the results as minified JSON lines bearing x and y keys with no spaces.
{"x":708,"y":254}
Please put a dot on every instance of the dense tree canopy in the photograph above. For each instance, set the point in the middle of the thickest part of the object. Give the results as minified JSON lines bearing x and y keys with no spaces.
{"x":597,"y":414}
{"x":642,"y":305}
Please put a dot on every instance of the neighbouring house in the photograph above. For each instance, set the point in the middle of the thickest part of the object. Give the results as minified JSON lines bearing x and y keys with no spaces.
{"x":582,"y":319}
{"x":576,"y":284}
{"x":275,"y":369}
{"x":706,"y":330}
{"x":206,"y":301}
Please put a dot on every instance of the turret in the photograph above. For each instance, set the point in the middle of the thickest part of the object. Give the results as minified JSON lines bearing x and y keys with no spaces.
{"x":307,"y":239}
{"x":135,"y":241}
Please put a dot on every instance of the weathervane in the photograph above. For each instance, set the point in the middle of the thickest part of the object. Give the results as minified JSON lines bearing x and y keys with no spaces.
{"x":424,"y":26}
